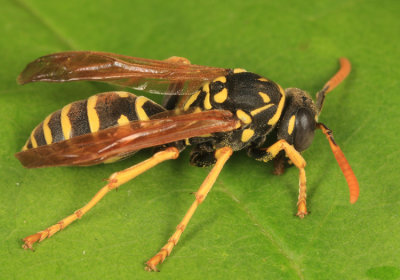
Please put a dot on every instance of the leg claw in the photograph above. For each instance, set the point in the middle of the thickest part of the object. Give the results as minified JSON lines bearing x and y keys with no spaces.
{"x":30,"y":240}
{"x":151,"y":266}
{"x":301,"y":214}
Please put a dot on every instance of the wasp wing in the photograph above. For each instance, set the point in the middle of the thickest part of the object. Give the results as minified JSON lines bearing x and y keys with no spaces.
{"x":154,"y":76}
{"x":119,"y":141}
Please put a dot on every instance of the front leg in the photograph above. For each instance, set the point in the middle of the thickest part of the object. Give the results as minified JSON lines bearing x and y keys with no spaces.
{"x":267,"y":154}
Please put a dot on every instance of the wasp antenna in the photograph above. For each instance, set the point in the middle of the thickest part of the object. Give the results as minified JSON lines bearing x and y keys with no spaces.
{"x":343,"y":163}
{"x":343,"y":72}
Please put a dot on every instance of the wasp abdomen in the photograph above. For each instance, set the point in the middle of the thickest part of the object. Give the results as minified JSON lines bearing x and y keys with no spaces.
{"x":96,"y":113}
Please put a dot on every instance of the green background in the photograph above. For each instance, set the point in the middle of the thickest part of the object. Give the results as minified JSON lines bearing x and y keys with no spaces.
{"x":246,"y":228}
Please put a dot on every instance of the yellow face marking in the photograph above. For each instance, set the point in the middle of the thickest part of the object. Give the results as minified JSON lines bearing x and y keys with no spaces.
{"x":33,"y":139}
{"x":65,"y":122}
{"x":46,"y":130}
{"x":207,"y":103}
{"x":123,"y":94}
{"x":263,"y":80}
{"x":141,"y":114}
{"x":238,"y":70}
{"x":187,"y":142}
{"x":247,"y":134}
{"x":275,"y":118}
{"x":94,"y":121}
{"x":123,"y":120}
{"x":265,"y":97}
{"x":221,"y":96}
{"x":291,"y":124}
{"x":256,"y":111}
{"x":245,"y":118}
{"x":191,"y":100}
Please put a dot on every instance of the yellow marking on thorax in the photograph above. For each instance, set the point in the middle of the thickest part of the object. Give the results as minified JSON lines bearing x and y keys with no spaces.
{"x":256,"y":111}
{"x":238,"y":70}
{"x":291,"y":124}
{"x":281,"y":90}
{"x":264,"y":97}
{"x":123,"y":120}
{"x":206,"y":135}
{"x":47,"y":131}
{"x":263,"y":80}
{"x":93,"y":117}
{"x":247,"y":134}
{"x":245,"y":118}
{"x":221,"y":96}
{"x":197,"y":110}
{"x":275,"y":118}
{"x":140,"y":112}
{"x":207,"y":103}
{"x":123,"y":94}
{"x":191,"y":100}
{"x":33,"y":139}
{"x":206,"y":87}
{"x":66,"y":122}
{"x":221,"y":79}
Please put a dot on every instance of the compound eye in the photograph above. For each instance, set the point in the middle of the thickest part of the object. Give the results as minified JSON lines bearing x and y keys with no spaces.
{"x":303,"y":129}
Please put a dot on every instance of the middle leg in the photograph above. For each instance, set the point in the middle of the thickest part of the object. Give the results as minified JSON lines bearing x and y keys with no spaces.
{"x":222,"y":155}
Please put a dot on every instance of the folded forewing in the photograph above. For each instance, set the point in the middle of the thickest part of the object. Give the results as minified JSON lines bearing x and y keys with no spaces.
{"x":122,"y":140}
{"x":155,"y":76}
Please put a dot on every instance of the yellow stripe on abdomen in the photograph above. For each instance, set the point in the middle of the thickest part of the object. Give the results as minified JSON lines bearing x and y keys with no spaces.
{"x":93,"y":117}
{"x":141,"y":113}
{"x":47,"y":131}
{"x":65,"y":122}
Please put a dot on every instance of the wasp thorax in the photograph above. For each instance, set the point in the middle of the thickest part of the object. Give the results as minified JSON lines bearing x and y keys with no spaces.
{"x":256,"y":101}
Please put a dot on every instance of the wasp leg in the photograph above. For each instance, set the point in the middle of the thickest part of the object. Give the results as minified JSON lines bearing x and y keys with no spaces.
{"x":222,"y":155}
{"x":114,"y":181}
{"x":267,"y":154}
{"x":300,"y":163}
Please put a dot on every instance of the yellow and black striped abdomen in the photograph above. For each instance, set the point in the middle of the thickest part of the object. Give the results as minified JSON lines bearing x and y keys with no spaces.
{"x":91,"y":115}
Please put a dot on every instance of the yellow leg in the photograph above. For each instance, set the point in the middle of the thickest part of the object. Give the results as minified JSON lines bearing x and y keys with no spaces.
{"x":222,"y":155}
{"x":115,"y":180}
{"x":300,"y":163}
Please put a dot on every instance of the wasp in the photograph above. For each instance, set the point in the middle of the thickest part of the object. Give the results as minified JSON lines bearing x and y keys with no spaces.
{"x":216,"y":111}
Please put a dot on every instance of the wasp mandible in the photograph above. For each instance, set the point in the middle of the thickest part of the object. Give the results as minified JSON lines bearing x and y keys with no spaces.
{"x":215,"y":111}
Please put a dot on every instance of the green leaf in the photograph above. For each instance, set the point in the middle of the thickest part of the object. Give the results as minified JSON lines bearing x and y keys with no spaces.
{"x":246,"y":228}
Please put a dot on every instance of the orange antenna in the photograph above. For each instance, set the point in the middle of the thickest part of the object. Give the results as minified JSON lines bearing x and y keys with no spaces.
{"x":343,"y":72}
{"x":343,"y":163}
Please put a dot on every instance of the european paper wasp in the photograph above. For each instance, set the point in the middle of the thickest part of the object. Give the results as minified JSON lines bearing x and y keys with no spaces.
{"x":214,"y":110}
